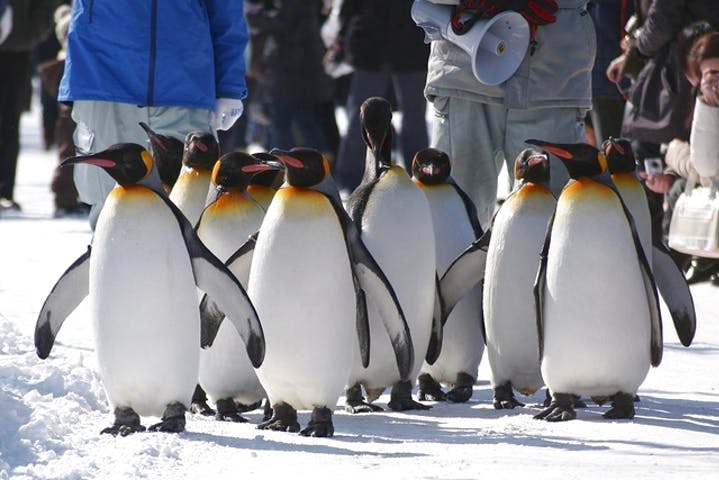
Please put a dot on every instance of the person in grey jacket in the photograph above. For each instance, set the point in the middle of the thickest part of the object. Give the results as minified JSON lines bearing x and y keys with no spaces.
{"x":483,"y":127}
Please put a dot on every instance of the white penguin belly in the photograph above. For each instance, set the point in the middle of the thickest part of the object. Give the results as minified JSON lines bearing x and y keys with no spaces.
{"x":596,"y":316}
{"x":301,"y":285}
{"x":190,"y":193}
{"x":397,"y":230}
{"x":143,"y":302}
{"x":462,"y":345}
{"x":509,"y":312}
{"x":225,"y":368}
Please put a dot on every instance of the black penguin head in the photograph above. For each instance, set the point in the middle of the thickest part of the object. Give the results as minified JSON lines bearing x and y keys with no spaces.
{"x":229,"y":171}
{"x":273,"y":176}
{"x":201,"y":150}
{"x":167,"y":153}
{"x":127,"y":163}
{"x":619,"y":154}
{"x":431,"y":166}
{"x":532,"y":165}
{"x":580,"y":159}
{"x":305,"y":167}
{"x":376,"y":120}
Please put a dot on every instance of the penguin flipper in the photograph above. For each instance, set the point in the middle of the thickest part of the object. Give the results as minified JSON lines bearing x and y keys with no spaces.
{"x":676,"y":294}
{"x":469,"y":207}
{"x":362,"y":321}
{"x":464,"y":272}
{"x":540,"y":285}
{"x":70,"y":289}
{"x":221,"y":285}
{"x":434,"y":349}
{"x":375,"y":284}
{"x":211,"y":316}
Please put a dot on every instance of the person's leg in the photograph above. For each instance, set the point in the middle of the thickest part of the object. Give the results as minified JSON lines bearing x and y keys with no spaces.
{"x":350,"y":159}
{"x":409,"y":89}
{"x":471,"y":134}
{"x":280,"y":128}
{"x":13,"y":82}
{"x":607,"y":114}
{"x":558,"y":125}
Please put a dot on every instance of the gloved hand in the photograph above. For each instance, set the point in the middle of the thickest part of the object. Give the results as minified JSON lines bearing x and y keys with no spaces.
{"x":5,"y":22}
{"x":536,"y":12}
{"x":227,"y":111}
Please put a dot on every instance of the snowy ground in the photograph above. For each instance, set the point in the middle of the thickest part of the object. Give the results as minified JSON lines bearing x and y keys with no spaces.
{"x":51,"y":411}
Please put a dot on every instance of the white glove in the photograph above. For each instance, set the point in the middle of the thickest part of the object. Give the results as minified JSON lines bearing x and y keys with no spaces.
{"x":6,"y":23}
{"x":227,"y":111}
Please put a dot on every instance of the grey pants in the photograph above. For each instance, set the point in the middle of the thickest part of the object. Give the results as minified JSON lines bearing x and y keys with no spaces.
{"x":479,"y":138}
{"x":101,"y":124}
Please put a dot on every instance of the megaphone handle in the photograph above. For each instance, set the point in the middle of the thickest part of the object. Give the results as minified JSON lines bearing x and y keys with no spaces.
{"x":460,"y":27}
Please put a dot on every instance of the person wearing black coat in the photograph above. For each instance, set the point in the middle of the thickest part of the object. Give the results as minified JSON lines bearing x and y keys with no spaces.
{"x":387,"y":50}
{"x":31,"y":24}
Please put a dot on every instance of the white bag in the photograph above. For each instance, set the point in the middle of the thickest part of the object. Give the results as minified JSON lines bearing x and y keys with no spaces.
{"x":694,"y":227}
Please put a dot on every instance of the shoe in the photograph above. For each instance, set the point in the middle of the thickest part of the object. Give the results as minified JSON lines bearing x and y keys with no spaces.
{"x":7,"y":204}
{"x":80,"y":210}
{"x":701,"y":269}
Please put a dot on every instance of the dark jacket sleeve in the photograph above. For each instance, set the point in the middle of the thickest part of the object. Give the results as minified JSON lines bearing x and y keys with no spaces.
{"x":664,"y":21}
{"x":32,"y":23}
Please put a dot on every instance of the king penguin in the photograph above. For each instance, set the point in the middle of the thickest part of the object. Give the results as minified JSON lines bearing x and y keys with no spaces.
{"x":226,"y":373}
{"x":517,"y":234}
{"x":455,"y":223}
{"x":396,"y":224}
{"x":141,"y":274}
{"x":193,"y":185}
{"x":311,"y":278}
{"x":167,"y":155}
{"x":597,"y":306}
{"x":670,"y":280}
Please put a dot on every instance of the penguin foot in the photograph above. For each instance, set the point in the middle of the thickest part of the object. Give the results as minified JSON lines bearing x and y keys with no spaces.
{"x":242,"y":408}
{"x":284,"y":419}
{"x":430,"y":389}
{"x":267,"y":410}
{"x":560,"y":409}
{"x":600,"y":400}
{"x":126,"y":423}
{"x":227,"y":411}
{"x":504,"y":397}
{"x":401,"y":398}
{"x":578,"y":402}
{"x":463,"y":388}
{"x":547,"y":398}
{"x":199,"y":403}
{"x":622,"y":407}
{"x":320,"y":424}
{"x":173,"y":420}
{"x":355,"y":403}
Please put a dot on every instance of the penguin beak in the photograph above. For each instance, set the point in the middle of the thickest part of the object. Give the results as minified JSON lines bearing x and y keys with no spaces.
{"x":286,"y":158}
{"x":263,"y":167}
{"x":551,"y":148}
{"x":90,"y":160}
{"x":535,"y":160}
{"x":154,"y":138}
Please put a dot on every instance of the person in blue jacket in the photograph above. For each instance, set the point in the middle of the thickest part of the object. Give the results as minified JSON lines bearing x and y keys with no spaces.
{"x":177,"y":66}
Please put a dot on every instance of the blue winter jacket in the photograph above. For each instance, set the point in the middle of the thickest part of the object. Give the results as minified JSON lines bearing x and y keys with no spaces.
{"x":156,"y":52}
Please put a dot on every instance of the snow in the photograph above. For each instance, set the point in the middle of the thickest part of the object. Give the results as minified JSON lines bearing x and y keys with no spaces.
{"x":51,"y":411}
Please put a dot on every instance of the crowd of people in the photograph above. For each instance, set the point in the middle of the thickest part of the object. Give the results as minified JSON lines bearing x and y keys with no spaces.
{"x":272,"y":64}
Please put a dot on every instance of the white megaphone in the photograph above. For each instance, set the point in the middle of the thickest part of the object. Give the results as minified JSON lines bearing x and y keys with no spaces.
{"x":496,"y":46}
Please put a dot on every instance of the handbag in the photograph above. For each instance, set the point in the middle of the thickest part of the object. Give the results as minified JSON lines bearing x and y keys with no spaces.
{"x":658,"y":104}
{"x":694,"y":227}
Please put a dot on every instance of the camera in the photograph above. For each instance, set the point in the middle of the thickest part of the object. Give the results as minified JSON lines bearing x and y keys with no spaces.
{"x":653,"y":166}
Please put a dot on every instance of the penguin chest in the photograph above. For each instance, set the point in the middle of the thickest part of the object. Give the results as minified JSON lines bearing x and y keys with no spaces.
{"x":397,"y":229}
{"x":512,"y":261}
{"x":190,"y":192}
{"x":596,"y":314}
{"x":144,"y":304}
{"x":301,"y":285}
{"x":227,"y":224}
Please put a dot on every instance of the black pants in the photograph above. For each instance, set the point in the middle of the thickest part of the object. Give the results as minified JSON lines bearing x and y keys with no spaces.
{"x":14,"y":89}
